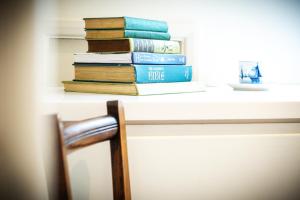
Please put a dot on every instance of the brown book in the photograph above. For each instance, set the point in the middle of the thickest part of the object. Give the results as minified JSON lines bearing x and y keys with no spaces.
{"x":104,"y":23}
{"x":106,"y":73}
{"x":100,"y":87}
{"x":134,"y":45}
{"x":104,"y":34}
{"x":118,"y":45}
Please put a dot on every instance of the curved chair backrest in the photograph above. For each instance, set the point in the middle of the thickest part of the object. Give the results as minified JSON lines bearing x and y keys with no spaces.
{"x":79,"y":134}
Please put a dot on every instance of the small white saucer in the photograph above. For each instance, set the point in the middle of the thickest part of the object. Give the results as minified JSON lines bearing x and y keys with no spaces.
{"x":248,"y":87}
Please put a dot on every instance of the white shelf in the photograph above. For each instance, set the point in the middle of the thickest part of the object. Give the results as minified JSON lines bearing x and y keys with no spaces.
{"x":217,"y":105}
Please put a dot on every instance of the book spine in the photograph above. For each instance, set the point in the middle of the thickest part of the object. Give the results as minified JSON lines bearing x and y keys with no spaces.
{"x":162,"y":73}
{"x":155,"y":58}
{"x":154,"y":46}
{"x":146,"y":35}
{"x":132,"y":23}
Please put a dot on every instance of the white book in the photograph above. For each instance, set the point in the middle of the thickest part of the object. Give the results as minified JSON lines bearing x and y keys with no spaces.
{"x":102,"y":58}
{"x":133,"y":88}
{"x":169,"y":88}
{"x":131,"y":57}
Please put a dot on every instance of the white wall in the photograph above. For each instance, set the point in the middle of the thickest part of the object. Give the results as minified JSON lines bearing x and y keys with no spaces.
{"x":218,"y":33}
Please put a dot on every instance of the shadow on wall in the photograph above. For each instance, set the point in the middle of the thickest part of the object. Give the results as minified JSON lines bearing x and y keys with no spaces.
{"x":81,"y":178}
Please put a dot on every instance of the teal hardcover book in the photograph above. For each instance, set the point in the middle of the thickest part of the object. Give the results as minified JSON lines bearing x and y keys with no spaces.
{"x":132,"y":23}
{"x":147,"y":35}
{"x":95,"y":34}
{"x":162,"y":73}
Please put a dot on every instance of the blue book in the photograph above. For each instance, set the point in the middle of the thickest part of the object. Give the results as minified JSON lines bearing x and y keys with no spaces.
{"x":162,"y":73}
{"x":132,"y":73}
{"x":133,"y":57}
{"x":157,"y":58}
{"x":127,"y":23}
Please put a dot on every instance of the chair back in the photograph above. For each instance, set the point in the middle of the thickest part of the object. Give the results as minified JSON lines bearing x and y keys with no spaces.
{"x":75,"y":135}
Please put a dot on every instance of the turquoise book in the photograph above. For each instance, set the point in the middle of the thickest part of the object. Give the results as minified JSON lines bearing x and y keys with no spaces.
{"x":132,"y":23}
{"x":132,"y":73}
{"x":162,"y":73}
{"x":121,"y":33}
{"x":127,"y":23}
{"x":147,"y":35}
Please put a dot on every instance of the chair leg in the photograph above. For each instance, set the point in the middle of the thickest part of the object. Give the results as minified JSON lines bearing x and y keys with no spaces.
{"x":119,"y":157}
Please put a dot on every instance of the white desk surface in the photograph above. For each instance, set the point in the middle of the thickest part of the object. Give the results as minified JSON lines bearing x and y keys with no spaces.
{"x":278,"y":104}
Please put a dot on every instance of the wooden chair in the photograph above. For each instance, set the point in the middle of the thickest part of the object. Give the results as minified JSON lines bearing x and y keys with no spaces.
{"x":76,"y":135}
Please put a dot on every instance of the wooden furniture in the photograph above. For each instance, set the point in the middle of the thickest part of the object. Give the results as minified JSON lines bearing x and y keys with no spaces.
{"x":76,"y":135}
{"x":183,"y":142}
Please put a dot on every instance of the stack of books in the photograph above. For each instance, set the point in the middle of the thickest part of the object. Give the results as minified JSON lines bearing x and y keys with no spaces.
{"x":130,"y":56}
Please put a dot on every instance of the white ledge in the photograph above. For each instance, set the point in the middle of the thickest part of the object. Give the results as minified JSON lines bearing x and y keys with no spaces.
{"x":281,"y":104}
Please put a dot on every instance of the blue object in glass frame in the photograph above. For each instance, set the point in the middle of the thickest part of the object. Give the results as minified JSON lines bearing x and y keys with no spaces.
{"x":250,"y":72}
